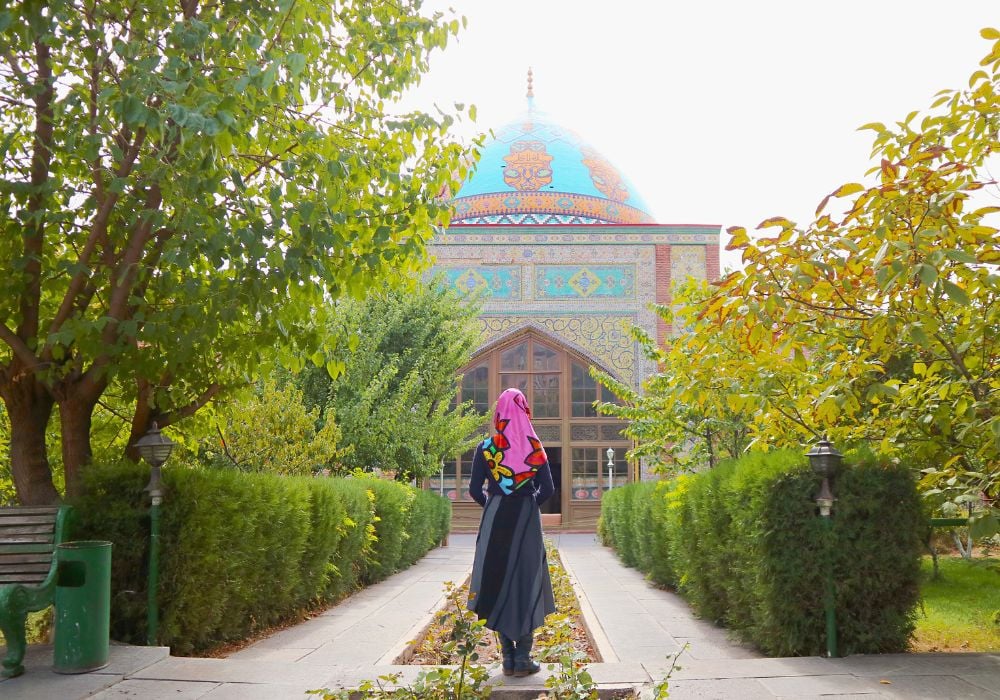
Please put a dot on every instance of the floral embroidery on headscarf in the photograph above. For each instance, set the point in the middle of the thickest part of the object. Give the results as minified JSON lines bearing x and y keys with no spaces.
{"x":514,"y":453}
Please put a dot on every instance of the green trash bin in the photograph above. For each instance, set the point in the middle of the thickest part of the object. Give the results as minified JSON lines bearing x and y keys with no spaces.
{"x":83,"y":606}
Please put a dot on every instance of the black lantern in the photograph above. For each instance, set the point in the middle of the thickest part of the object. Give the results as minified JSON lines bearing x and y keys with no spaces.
{"x":154,"y":446}
{"x":824,"y":459}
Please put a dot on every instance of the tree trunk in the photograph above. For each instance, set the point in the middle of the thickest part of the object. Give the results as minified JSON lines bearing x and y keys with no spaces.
{"x":29,"y":407}
{"x":75,"y":415}
{"x":142,"y":420}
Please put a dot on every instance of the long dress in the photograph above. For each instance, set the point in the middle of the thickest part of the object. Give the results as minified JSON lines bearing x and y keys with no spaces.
{"x":510,"y":586}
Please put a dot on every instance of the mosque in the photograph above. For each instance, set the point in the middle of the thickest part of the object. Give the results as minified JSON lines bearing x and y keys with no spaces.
{"x":568,"y":258}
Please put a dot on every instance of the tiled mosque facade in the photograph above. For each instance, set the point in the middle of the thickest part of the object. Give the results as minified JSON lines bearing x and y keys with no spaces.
{"x":566,"y":253}
{"x":584,"y":285}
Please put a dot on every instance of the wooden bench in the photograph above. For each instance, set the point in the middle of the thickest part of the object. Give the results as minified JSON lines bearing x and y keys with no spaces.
{"x":28,"y":539}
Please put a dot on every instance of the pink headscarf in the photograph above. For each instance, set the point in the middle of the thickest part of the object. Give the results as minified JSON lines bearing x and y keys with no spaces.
{"x":514,"y":453}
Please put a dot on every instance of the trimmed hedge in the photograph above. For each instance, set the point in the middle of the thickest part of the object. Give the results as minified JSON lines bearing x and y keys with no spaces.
{"x":241,"y":552}
{"x":743,"y":543}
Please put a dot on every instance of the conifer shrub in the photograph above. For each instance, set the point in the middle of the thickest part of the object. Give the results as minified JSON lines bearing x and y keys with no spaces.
{"x":393,"y":503}
{"x":744,"y":544}
{"x":241,"y":552}
{"x":429,"y":522}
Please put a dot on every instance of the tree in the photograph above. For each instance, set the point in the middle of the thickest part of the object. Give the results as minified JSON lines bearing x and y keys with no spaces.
{"x":686,"y":416}
{"x":880,"y":324}
{"x":184,"y":183}
{"x":269,"y":429}
{"x":394,"y":401}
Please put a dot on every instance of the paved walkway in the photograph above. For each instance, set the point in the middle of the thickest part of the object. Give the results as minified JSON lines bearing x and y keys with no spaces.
{"x":634,"y":626}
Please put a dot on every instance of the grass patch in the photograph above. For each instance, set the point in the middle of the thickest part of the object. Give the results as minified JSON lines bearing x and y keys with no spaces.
{"x":961,"y":610}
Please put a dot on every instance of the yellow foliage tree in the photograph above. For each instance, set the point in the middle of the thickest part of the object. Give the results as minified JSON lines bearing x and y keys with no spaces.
{"x":878,"y":325}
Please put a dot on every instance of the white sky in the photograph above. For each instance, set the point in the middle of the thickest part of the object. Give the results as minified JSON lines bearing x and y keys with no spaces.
{"x":720,"y":112}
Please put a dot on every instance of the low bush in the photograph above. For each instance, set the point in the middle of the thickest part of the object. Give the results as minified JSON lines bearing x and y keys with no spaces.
{"x":241,"y":552}
{"x":743,"y":543}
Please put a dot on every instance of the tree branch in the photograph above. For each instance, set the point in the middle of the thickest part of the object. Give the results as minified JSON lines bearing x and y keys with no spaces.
{"x":98,"y":234}
{"x":20,"y":348}
{"x":178,"y":414}
{"x":41,"y":160}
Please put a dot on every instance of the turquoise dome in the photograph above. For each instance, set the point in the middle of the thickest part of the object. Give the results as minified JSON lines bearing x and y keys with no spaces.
{"x":534,"y":171}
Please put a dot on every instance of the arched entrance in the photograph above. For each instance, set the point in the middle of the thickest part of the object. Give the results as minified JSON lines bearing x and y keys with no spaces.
{"x":561,"y":393}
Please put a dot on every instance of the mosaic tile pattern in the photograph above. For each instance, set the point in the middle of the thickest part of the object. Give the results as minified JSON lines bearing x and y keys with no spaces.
{"x":496,"y":281}
{"x":564,"y":231}
{"x":687,"y":261}
{"x":545,"y":207}
{"x":604,"y":339}
{"x":584,"y":281}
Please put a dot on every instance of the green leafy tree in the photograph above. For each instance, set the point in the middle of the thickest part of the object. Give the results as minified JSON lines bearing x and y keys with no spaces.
{"x":394,"y":401}
{"x":267,"y":428}
{"x":686,"y":416}
{"x":183,"y":183}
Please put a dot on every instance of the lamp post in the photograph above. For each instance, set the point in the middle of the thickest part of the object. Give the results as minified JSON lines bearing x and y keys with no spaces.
{"x":825,"y":461}
{"x":611,"y":465}
{"x":155,"y":448}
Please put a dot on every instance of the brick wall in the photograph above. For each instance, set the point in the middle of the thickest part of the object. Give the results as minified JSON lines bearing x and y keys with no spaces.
{"x":663,"y":287}
{"x":712,"y":262}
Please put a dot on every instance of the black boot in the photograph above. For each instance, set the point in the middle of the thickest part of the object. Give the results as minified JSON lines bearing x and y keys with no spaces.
{"x":507,"y":650}
{"x":523,"y":665}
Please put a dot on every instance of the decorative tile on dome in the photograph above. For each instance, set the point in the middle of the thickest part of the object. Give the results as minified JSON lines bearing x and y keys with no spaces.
{"x":576,"y":282}
{"x":606,"y":177}
{"x":478,"y":208}
{"x":529,"y":166}
{"x":496,"y":281}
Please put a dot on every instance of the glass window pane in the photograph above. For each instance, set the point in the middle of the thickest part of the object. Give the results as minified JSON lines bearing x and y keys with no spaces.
{"x":619,"y":470}
{"x":545,"y":402}
{"x":515,"y":381}
{"x":584,"y":393}
{"x":609,"y":396}
{"x":544,"y":359}
{"x":514,"y":359}
{"x":585,"y":474}
{"x":476,"y":387}
{"x":590,"y":471}
{"x":445,"y":482}
{"x":463,"y":487}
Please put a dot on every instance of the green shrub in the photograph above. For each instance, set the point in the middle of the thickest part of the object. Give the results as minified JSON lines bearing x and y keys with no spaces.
{"x":430,"y":520}
{"x":393,"y":503}
{"x":241,"y":552}
{"x":743,"y":543}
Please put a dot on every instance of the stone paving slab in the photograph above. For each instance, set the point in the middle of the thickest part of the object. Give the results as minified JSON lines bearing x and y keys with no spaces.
{"x":40,"y":682}
{"x":273,"y":691}
{"x":157,"y":690}
{"x":233,"y":671}
{"x":934,"y":687}
{"x":794,"y":686}
{"x":745,"y":689}
{"x":46,"y":685}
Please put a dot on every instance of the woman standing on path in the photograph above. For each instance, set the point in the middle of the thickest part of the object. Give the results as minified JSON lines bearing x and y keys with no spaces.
{"x":510,"y":586}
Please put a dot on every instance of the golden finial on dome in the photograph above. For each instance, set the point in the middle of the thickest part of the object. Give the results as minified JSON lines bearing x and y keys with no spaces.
{"x":531,"y":89}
